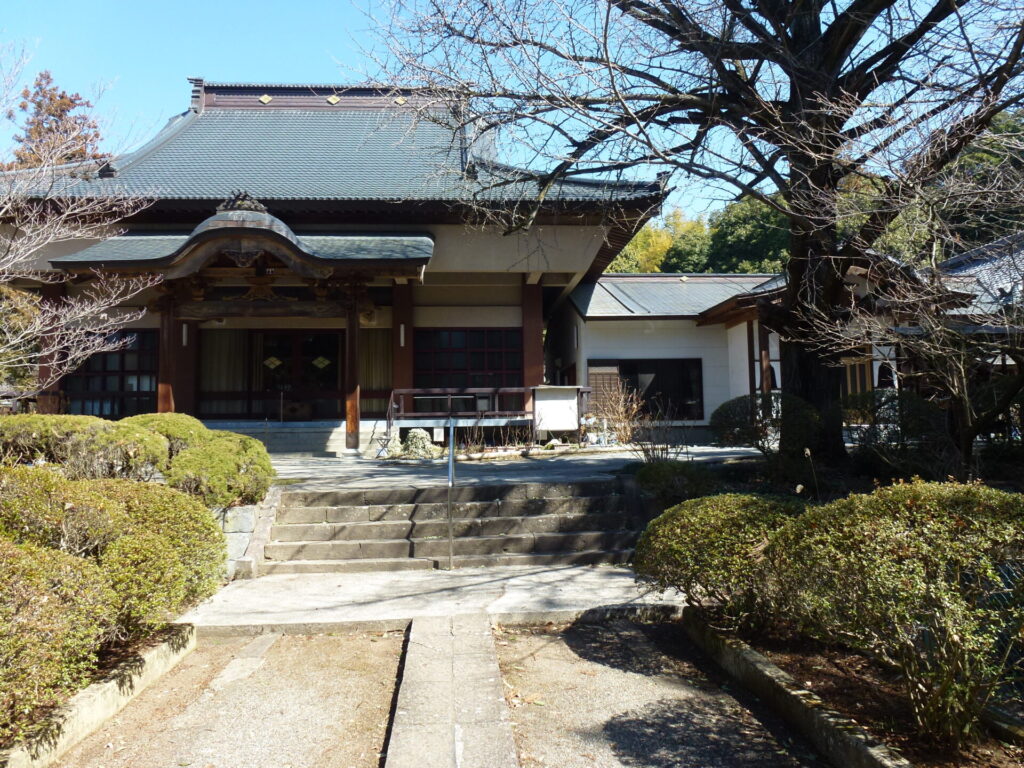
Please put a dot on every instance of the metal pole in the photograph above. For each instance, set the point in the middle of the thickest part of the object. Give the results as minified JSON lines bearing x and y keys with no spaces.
{"x":451,"y":484}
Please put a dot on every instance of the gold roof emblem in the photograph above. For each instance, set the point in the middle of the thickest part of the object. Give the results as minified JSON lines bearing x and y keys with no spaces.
{"x":333,"y":99}
{"x":266,"y":98}
{"x":401,"y":100}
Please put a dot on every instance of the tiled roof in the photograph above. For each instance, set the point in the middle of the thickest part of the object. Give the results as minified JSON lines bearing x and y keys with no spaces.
{"x":659,"y":295}
{"x":994,"y":272}
{"x":372,"y":153}
{"x":333,"y":247}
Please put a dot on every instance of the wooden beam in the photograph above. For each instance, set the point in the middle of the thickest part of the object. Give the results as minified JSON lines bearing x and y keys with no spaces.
{"x":165,"y":358}
{"x":533,"y":278}
{"x":352,"y":413}
{"x":765,"y":357}
{"x":533,"y":339}
{"x":751,"y":374}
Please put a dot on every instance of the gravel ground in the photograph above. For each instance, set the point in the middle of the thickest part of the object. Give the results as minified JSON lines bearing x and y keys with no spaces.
{"x":317,"y":701}
{"x":625,"y":694}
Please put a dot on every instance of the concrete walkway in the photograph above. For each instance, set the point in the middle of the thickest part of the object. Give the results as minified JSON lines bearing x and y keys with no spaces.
{"x":310,"y":603}
{"x":321,"y":473}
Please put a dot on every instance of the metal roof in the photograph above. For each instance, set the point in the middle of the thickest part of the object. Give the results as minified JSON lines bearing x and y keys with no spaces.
{"x":332,"y":247}
{"x":373,"y":153}
{"x":659,"y":295}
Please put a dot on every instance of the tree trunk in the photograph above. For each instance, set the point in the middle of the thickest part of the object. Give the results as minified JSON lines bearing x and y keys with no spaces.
{"x":814,"y":281}
{"x":806,"y":375}
{"x":964,"y":431}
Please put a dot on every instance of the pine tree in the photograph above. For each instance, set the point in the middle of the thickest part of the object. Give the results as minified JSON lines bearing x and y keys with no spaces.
{"x":57,"y":127}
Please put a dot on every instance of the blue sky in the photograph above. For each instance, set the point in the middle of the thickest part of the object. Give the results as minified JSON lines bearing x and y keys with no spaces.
{"x":140,"y":53}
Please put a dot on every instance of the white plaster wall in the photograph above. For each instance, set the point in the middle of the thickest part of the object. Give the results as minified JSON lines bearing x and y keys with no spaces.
{"x":467,"y":317}
{"x":647,"y":339}
{"x":739,"y":365}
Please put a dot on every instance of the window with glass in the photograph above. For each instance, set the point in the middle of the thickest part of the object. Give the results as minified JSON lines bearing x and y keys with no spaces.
{"x":117,"y":384}
{"x":671,"y":389}
{"x":469,"y":358}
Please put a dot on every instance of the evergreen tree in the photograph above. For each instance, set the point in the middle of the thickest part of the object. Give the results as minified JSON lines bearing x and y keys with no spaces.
{"x":57,"y":127}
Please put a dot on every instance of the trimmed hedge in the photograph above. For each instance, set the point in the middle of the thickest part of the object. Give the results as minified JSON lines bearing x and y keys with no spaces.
{"x":29,"y":437}
{"x":710,"y":549}
{"x":40,"y":506}
{"x":673,"y":481}
{"x":55,"y":610}
{"x":87,"y":517}
{"x":926,"y":576}
{"x":227,"y":469}
{"x":149,"y":578}
{"x":181,"y":430}
{"x":83,"y":446}
{"x":191,"y":529}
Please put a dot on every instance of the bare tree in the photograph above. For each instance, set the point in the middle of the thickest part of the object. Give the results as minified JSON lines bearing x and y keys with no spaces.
{"x":44,"y":337}
{"x":787,"y":102}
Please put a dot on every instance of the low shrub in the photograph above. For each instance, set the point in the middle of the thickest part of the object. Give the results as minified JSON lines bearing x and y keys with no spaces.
{"x":227,"y":469}
{"x":756,"y":421}
{"x":709,"y":549}
{"x":55,"y":610}
{"x":673,"y":481}
{"x":181,"y":430}
{"x":83,"y":446}
{"x":30,"y":437}
{"x":189,"y":526}
{"x":113,"y":449}
{"x":148,"y":577}
{"x":40,"y":506}
{"x":925,"y":576}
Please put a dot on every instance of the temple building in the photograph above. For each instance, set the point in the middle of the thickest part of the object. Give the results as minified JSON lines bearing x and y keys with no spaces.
{"x":320,"y":262}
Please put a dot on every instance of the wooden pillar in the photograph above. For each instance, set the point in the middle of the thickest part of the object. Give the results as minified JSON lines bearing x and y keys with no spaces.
{"x":49,"y":399}
{"x":184,"y":365}
{"x":752,"y":376}
{"x":402,"y":339}
{"x":765,"y":356}
{"x":533,"y":339}
{"x":165,"y":358}
{"x":352,"y":372}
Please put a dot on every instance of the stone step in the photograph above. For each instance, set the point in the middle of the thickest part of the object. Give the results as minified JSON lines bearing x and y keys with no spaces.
{"x":346,"y":566}
{"x":360,"y":497}
{"x":422,"y":529}
{"x":438,"y":547}
{"x":585,"y":557}
{"x":514,"y":507}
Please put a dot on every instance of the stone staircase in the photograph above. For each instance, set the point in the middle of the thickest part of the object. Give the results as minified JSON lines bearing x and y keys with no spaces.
{"x":407,"y":528}
{"x":318,"y":438}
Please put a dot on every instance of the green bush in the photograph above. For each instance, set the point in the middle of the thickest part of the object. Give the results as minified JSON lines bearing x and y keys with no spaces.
{"x":40,"y":506}
{"x":756,"y":421}
{"x":224,"y":470}
{"x":30,"y":437}
{"x":925,"y":576}
{"x":113,"y":449}
{"x":55,"y":610}
{"x":147,"y":575}
{"x":83,"y":446}
{"x":190,"y":528}
{"x":673,"y":481}
{"x":709,"y":550}
{"x":181,"y":430}
{"x":87,"y":517}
